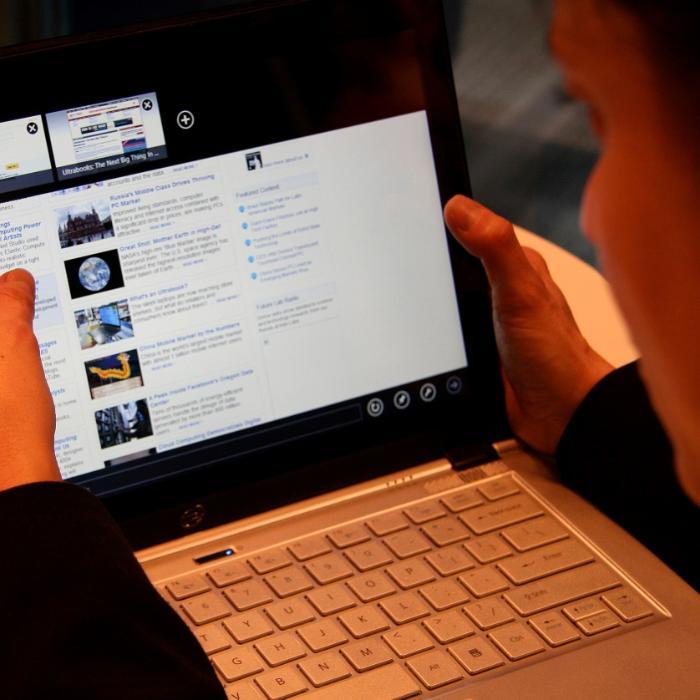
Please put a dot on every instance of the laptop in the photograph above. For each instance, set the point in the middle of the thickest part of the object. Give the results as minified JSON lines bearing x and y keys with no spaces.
{"x":278,"y":371}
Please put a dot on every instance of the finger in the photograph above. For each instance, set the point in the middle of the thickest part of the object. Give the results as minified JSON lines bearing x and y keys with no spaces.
{"x":491,"y":238}
{"x":17,"y":296}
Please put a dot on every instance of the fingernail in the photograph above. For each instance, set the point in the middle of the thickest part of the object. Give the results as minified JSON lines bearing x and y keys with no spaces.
{"x":464,"y":213}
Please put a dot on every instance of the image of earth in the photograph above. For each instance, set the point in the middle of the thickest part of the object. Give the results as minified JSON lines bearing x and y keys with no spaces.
{"x":94,"y":274}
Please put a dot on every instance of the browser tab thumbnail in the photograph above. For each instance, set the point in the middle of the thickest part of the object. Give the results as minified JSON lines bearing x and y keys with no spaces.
{"x":24,"y":155}
{"x":96,"y":138}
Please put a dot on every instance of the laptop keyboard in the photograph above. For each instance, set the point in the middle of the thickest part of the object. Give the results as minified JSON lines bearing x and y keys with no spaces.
{"x":418,"y":599}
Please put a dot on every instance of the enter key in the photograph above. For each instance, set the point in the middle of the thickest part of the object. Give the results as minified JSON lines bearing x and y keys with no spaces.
{"x":545,"y":561}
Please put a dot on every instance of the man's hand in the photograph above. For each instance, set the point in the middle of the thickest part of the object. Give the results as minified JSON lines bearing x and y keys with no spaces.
{"x":547,"y":364}
{"x":27,"y":418}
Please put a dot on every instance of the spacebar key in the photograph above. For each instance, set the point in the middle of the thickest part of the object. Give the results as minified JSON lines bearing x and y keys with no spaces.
{"x":385,"y":683}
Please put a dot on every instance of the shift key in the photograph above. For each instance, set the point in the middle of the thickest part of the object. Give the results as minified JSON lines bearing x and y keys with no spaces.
{"x":561,"y":588}
{"x":506,"y":511}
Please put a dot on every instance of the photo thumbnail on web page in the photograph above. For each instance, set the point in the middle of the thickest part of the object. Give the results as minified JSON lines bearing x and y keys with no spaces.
{"x":99,"y":325}
{"x":95,"y":138}
{"x":24,"y":154}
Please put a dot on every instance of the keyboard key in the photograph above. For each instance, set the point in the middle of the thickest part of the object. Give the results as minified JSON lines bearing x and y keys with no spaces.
{"x":331,"y":599}
{"x":407,"y":543}
{"x":483,"y":582}
{"x":424,"y":512}
{"x":367,"y":655}
{"x":630,"y":606}
{"x":268,"y":561}
{"x":205,"y":608}
{"x":410,"y":574}
{"x":476,"y":655}
{"x":457,"y":502}
{"x":449,"y":627}
{"x":281,"y":684}
{"x":451,"y":560}
{"x":290,"y":613}
{"x":507,"y":511}
{"x":328,"y":569}
{"x":595,"y":624}
{"x":488,"y":548}
{"x":489,"y":613}
{"x":584,"y":608}
{"x":309,"y":548}
{"x":213,"y":639}
{"x":322,"y":635}
{"x":554,"y":629}
{"x":404,"y":608}
{"x":364,"y":621}
{"x":444,"y":594}
{"x":244,"y":690}
{"x":561,"y":588}
{"x":408,"y":641}
{"x":387,"y":524}
{"x":325,"y":669}
{"x":348,"y":535}
{"x":445,"y":531}
{"x":289,"y":581}
{"x":187,"y":586}
{"x":369,"y":556}
{"x":547,"y":560}
{"x":535,"y":533}
{"x":248,"y":595}
{"x":229,"y":573}
{"x":248,"y":627}
{"x":372,"y":586}
{"x":435,"y":669}
{"x":516,"y":641}
{"x":393,"y":678}
{"x":236,"y":664}
{"x":494,"y":490}
{"x":280,"y":649}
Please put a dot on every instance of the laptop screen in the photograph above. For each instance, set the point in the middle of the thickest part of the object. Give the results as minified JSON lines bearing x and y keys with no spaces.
{"x":236,"y":245}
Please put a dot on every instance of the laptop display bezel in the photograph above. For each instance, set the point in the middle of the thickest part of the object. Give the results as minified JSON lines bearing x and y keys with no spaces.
{"x":230,"y":487}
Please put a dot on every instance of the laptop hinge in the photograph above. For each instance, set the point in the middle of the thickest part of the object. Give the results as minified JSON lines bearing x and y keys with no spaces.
{"x":469,"y":456}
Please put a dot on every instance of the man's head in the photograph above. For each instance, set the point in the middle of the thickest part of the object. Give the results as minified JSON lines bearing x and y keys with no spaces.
{"x":634,"y":64}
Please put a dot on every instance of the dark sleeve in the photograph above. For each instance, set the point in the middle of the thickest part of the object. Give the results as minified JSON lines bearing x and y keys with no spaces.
{"x":615,"y":453}
{"x":80,"y":619}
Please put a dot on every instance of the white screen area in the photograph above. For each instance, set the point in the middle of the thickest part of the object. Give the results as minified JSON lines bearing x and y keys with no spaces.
{"x":203,"y":299}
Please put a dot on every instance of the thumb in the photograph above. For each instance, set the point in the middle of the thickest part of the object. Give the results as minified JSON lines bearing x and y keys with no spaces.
{"x":17,"y":296}
{"x":491,"y":238}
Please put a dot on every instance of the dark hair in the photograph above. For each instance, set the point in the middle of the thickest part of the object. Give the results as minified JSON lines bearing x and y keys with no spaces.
{"x":673,"y":27}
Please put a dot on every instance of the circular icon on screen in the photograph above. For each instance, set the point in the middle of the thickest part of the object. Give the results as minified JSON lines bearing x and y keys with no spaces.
{"x":185,"y":119}
{"x":147,"y":105}
{"x":428,"y":392}
{"x":94,"y":274}
{"x":32,"y":128}
{"x":375,"y":408}
{"x":454,"y":385}
{"x":402,"y":400}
